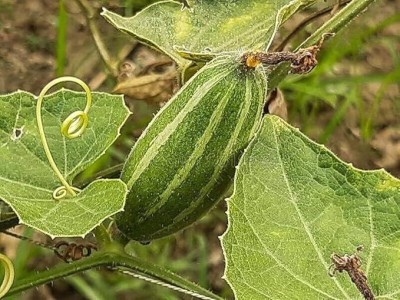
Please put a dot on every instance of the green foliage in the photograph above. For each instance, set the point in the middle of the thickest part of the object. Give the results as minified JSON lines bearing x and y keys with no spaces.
{"x":209,"y":27}
{"x":330,"y":87}
{"x":294,"y":205}
{"x":27,"y":181}
{"x":294,"y":202}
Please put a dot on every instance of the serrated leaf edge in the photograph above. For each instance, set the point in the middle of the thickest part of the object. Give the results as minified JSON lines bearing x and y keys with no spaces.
{"x":21,"y":222}
{"x":107,"y":147}
{"x":277,"y":120}
{"x":182,"y":62}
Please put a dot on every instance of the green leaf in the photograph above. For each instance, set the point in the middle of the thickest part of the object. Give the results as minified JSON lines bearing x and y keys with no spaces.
{"x":74,"y":216}
{"x":294,"y":205}
{"x":210,"y":26}
{"x":26,"y":179}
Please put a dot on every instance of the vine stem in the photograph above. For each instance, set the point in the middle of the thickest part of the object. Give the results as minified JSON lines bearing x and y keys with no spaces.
{"x":89,"y":14}
{"x":333,"y":25}
{"x":308,"y":20}
{"x":170,"y":286}
{"x":116,"y":261}
{"x":104,"y":240}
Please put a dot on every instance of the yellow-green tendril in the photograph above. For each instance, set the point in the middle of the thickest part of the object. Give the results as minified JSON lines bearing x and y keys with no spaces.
{"x":9,"y":275}
{"x":73,"y":126}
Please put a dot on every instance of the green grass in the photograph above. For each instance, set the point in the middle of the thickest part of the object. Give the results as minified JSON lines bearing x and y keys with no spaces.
{"x":326,"y":89}
{"x":61,"y":49}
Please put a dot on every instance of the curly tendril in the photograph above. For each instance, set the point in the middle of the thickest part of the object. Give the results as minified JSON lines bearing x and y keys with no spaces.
{"x":73,"y":126}
{"x":9,"y":275}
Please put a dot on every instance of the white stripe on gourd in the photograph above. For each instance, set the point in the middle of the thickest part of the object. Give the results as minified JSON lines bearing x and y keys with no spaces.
{"x":226,"y":153}
{"x":169,"y":129}
{"x":199,"y":150}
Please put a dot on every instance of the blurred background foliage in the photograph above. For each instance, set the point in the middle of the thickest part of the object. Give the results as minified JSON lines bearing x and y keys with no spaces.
{"x":350,"y":102}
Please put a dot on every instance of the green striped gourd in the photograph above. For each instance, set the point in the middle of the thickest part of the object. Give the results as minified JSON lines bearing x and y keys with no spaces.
{"x":184,"y":161}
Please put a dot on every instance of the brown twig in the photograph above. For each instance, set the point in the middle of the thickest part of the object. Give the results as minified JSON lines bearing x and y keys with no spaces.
{"x":352,"y":265}
{"x":89,"y":14}
{"x":100,"y":77}
{"x":70,"y":252}
{"x":307,"y":21}
{"x":27,"y":239}
{"x":302,"y":61}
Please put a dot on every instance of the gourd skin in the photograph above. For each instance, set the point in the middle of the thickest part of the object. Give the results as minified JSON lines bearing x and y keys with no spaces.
{"x":185,"y":160}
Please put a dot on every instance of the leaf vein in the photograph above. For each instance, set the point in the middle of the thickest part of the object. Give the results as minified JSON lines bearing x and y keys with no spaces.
{"x":301,"y":217}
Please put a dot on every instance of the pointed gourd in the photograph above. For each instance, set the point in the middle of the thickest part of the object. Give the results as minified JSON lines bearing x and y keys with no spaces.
{"x":185,"y":160}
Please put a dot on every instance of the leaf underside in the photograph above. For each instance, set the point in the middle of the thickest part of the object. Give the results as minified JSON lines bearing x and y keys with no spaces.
{"x":26,"y":178}
{"x":294,"y":205}
{"x":210,"y":27}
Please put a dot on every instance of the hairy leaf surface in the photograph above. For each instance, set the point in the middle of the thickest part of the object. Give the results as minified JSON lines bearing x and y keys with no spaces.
{"x":209,"y":27}
{"x":294,"y":205}
{"x":26,"y":179}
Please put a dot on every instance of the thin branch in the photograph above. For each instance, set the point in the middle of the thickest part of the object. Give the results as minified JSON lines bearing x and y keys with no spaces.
{"x":333,"y":25}
{"x":352,"y":265}
{"x":307,"y":21}
{"x":100,"y":77}
{"x":89,"y":14}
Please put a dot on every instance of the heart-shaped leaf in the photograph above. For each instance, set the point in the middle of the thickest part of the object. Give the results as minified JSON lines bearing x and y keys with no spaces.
{"x":74,"y":216}
{"x":26,"y":179}
{"x":209,"y":27}
{"x":294,"y":205}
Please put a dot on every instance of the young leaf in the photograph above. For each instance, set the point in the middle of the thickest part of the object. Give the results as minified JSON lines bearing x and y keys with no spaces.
{"x":209,"y":27}
{"x":26,"y":179}
{"x":74,"y":216}
{"x":294,"y":205}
